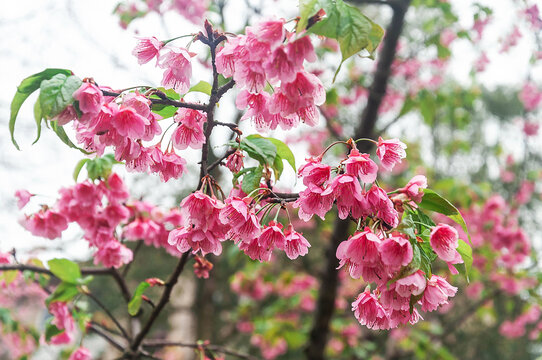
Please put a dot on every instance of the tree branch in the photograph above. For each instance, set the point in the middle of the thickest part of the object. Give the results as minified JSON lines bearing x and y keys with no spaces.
{"x":164,"y":100}
{"x":219,"y":161}
{"x":329,"y":278}
{"x":106,"y":310}
{"x":107,"y":337}
{"x":164,"y":299}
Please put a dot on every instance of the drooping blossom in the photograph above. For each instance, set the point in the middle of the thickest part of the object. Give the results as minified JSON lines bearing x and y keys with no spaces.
{"x":23,"y":197}
{"x":381,"y":205}
{"x":295,"y":244}
{"x":90,"y":98}
{"x":369,"y":312}
{"x":178,"y":69}
{"x":63,"y":320}
{"x":272,"y":236}
{"x":413,"y":284}
{"x":234,"y":162}
{"x":436,"y":293}
{"x":444,"y":241}
{"x":362,"y":166}
{"x":46,"y":223}
{"x":359,"y":251}
{"x":312,"y":201}
{"x":240,"y":215}
{"x":189,"y":132}
{"x":390,"y":152}
{"x":396,"y":251}
{"x":414,"y":188}
{"x":147,"y":48}
{"x":346,"y":189}
{"x":202,"y":267}
{"x":113,"y":254}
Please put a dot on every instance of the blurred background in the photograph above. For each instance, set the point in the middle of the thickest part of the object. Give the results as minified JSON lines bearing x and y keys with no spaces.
{"x":465,"y":95}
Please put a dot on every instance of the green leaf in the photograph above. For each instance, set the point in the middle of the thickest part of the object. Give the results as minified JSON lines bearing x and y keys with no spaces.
{"x":284,"y":152}
{"x":38,"y":116}
{"x":27,"y":87}
{"x":260,"y":149}
{"x":59,"y":131}
{"x":100,"y":167}
{"x":51,"y":330}
{"x":78,"y":168}
{"x":251,"y":179}
{"x":57,"y":93}
{"x":202,"y":87}
{"x":306,"y":9}
{"x":434,"y":202}
{"x":9,"y":276}
{"x":63,"y":292}
{"x":135,"y":304}
{"x":353,"y":30}
{"x":165,"y":111}
{"x":170,"y":93}
{"x":64,"y":269}
{"x":465,"y":251}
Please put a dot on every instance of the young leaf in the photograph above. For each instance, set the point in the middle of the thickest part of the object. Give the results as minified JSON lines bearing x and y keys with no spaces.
{"x":135,"y":304}
{"x":63,"y":292}
{"x":27,"y":87}
{"x":353,"y":30}
{"x":306,"y":9}
{"x":57,"y":93}
{"x":64,"y":269}
{"x":202,"y":87}
{"x":260,"y":149}
{"x":251,"y":179}
{"x":465,"y":251}
{"x":434,"y":202}
{"x":165,"y":111}
{"x":284,"y":152}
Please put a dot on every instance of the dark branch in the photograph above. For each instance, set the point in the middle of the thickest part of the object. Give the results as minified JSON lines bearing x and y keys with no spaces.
{"x":107,"y":337}
{"x":106,"y":310}
{"x":219,"y":161}
{"x":164,"y":299}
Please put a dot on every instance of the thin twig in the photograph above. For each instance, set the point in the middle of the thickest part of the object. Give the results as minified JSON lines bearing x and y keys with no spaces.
{"x":111,"y":316}
{"x":107,"y":337}
{"x":219,"y":161}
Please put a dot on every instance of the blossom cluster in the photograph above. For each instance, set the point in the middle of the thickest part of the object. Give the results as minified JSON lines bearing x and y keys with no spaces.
{"x":271,"y":55}
{"x":376,"y":252}
{"x":210,"y":221}
{"x":99,"y":209}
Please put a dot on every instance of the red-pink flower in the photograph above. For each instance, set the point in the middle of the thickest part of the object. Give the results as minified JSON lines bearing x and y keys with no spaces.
{"x":295,"y":245}
{"x":23,"y":197}
{"x":63,"y":320}
{"x":239,"y":214}
{"x":391,"y":299}
{"x":113,"y":254}
{"x":188,"y":238}
{"x":176,"y":61}
{"x":48,"y":224}
{"x":272,"y":236}
{"x":347,"y":191}
{"x":90,"y":98}
{"x":411,"y":285}
{"x":189,"y":133}
{"x":362,"y":166}
{"x":314,"y":172}
{"x":128,"y":122}
{"x":147,"y":48}
{"x":271,"y":31}
{"x":359,"y":250}
{"x":382,"y":206}
{"x":81,"y":353}
{"x":436,"y":293}
{"x":168,"y":165}
{"x":234,"y":162}
{"x":414,"y":188}
{"x":201,"y":210}
{"x":444,"y":241}
{"x":370,"y":312}
{"x":301,"y":49}
{"x":312,"y":202}
{"x":396,"y":251}
{"x":280,"y":66}
{"x":255,"y":250}
{"x":390,"y":152}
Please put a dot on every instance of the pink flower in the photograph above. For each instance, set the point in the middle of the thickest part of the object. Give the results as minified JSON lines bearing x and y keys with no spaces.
{"x":113,"y":254}
{"x":314,"y":172}
{"x":241,"y":217}
{"x":128,"y":122}
{"x":530,"y":96}
{"x":391,"y":299}
{"x":23,"y":197}
{"x":63,"y":320}
{"x":147,"y":48}
{"x":258,"y":112}
{"x":202,"y":267}
{"x":312,"y":202}
{"x":361,"y":249}
{"x":48,"y":224}
{"x":176,"y":61}
{"x":272,"y":236}
{"x":306,"y":86}
{"x":447,"y":37}
{"x":168,"y":165}
{"x":271,"y":31}
{"x":414,"y":188}
{"x":436,"y":293}
{"x":201,"y":210}
{"x":530,"y":128}
{"x":382,"y":206}
{"x":362,"y":166}
{"x":390,"y":152}
{"x":370,"y":312}
{"x":90,"y":98}
{"x":411,"y":285}
{"x":295,"y":245}
{"x":301,"y":49}
{"x":280,"y":66}
{"x":255,"y":250}
{"x":234,"y":162}
{"x":189,"y":133}
{"x":347,"y":191}
{"x":444,"y":240}
{"x":188,"y":238}
{"x":81,"y":354}
{"x":396,"y":252}
{"x":67,"y":115}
